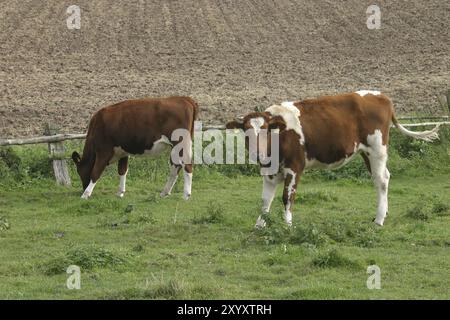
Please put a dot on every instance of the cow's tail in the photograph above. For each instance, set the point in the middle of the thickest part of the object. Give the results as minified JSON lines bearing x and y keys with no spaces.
{"x":428,"y":135}
{"x":195,"y":112}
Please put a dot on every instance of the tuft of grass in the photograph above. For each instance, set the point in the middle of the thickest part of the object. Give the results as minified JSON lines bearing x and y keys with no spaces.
{"x":333,"y":259}
{"x":428,"y":208}
{"x":316,"y":197}
{"x":86,"y":257}
{"x":419,"y":212}
{"x":170,"y":289}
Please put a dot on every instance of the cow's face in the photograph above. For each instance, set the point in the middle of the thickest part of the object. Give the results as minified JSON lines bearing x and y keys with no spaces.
{"x":257,"y":127}
{"x":83,"y":169}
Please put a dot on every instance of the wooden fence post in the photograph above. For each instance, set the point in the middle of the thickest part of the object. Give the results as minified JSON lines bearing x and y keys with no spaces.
{"x":448,"y":101}
{"x":56,"y":151}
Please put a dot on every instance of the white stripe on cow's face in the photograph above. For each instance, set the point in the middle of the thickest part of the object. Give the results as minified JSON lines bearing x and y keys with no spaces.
{"x":362,"y":93}
{"x":87,"y":193}
{"x":291,"y":116}
{"x":257,"y":123}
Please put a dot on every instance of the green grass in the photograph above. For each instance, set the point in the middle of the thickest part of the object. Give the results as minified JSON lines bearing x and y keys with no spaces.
{"x":144,"y":247}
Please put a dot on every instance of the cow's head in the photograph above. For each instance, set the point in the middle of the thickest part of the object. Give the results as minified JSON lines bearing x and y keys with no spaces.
{"x":257,"y":127}
{"x":83,"y":168}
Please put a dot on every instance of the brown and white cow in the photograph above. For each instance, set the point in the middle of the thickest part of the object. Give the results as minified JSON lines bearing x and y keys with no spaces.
{"x":327,"y":133}
{"x":136,"y":127}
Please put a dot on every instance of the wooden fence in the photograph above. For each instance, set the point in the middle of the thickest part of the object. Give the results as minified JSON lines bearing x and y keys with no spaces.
{"x":56,"y":140}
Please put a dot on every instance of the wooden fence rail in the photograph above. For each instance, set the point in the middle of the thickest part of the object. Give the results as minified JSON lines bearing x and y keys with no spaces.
{"x":78,"y":136}
{"x":56,"y":146}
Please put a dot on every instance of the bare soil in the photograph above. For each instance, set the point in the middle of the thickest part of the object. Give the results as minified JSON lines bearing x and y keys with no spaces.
{"x":230,"y":55}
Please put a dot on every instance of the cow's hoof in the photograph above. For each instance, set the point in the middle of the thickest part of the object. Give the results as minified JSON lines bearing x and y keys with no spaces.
{"x":164,"y":195}
{"x":120,"y":194}
{"x":186,"y":196}
{"x":260,"y":223}
{"x":84,"y":196}
{"x":378,"y":223}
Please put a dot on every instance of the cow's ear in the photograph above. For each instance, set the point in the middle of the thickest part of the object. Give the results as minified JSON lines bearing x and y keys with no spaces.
{"x":277,"y":123}
{"x":76,"y":157}
{"x":235,"y":125}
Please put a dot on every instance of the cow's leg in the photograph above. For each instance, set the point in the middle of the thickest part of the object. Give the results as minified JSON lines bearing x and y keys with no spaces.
{"x":171,"y":179}
{"x":101,"y":161}
{"x":122,"y":168}
{"x":380,"y":176}
{"x":291,"y":177}
{"x":187,"y":181}
{"x":269,"y":188}
{"x":367,"y":162}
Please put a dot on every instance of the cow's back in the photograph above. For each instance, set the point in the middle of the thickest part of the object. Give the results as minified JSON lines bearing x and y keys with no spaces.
{"x":135,"y":125}
{"x":332,"y":125}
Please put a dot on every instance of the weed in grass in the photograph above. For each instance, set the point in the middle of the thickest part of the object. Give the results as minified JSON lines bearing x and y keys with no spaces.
{"x":4,"y":224}
{"x":440,"y":208}
{"x":277,"y":231}
{"x":214,"y":214}
{"x":112,"y":222}
{"x":307,"y":234}
{"x":419,"y":212}
{"x":143,"y":218}
{"x":333,"y":259}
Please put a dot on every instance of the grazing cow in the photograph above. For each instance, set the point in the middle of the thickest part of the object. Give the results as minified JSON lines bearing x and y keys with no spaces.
{"x":327,"y":133}
{"x":136,"y":127}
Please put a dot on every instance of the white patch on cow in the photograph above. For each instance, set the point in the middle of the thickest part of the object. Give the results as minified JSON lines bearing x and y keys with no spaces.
{"x":291,"y":190}
{"x":257,"y":123}
{"x":187,"y":185}
{"x":119,"y":153}
{"x":87,"y":193}
{"x":171,"y":179}
{"x":159,"y":146}
{"x":269,"y":189}
{"x":316,"y":164}
{"x":288,"y":171}
{"x":291,"y":116}
{"x":268,"y":193}
{"x":122,"y":182}
{"x":375,"y":142}
{"x":377,"y":154}
{"x":363,"y":93}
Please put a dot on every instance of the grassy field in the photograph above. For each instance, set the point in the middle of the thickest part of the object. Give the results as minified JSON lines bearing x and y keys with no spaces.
{"x":144,"y":247}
